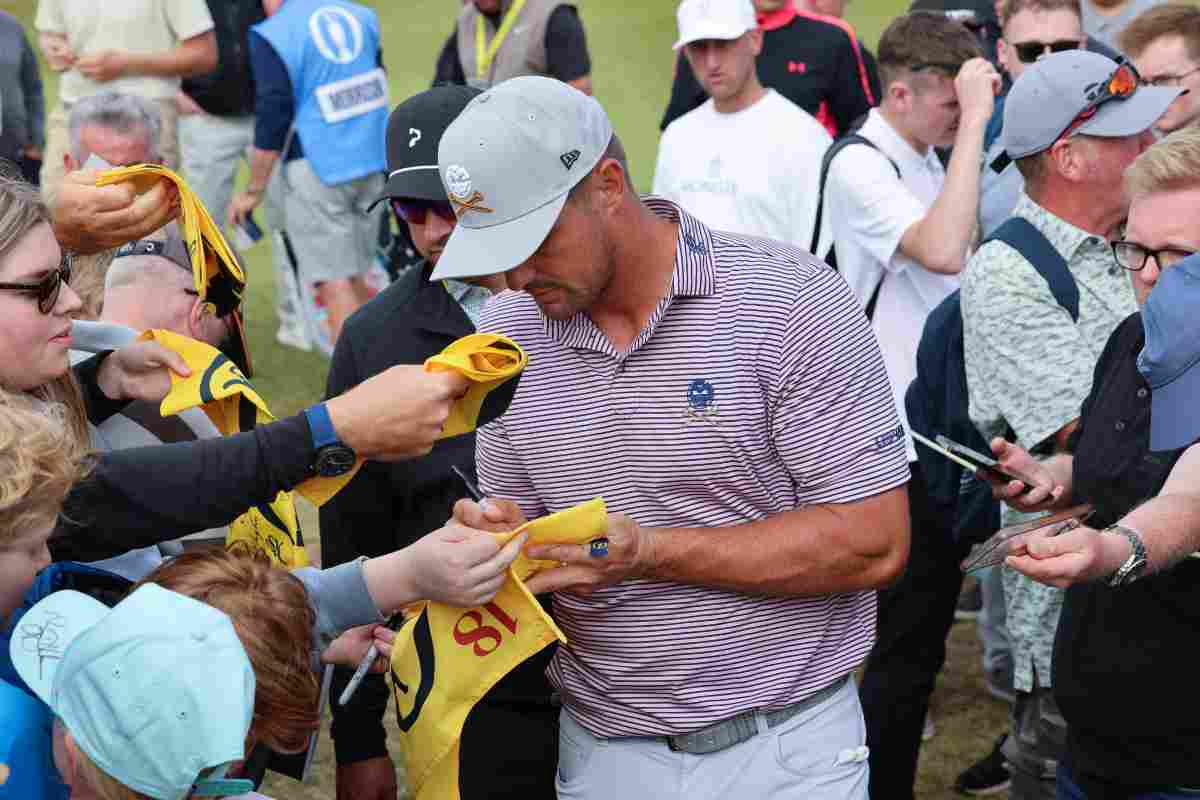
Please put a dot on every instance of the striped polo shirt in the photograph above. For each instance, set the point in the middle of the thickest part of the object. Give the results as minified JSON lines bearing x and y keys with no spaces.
{"x":756,"y":388}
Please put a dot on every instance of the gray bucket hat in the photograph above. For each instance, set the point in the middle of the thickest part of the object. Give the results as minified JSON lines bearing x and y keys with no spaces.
{"x":1056,"y":89}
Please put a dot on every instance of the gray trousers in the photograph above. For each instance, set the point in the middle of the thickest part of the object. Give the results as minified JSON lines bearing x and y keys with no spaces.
{"x":997,"y":650}
{"x":820,"y":754}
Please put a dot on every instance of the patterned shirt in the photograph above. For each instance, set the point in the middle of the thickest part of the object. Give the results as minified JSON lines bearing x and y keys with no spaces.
{"x":755,"y":388}
{"x":470,"y":298}
{"x":1029,"y":367}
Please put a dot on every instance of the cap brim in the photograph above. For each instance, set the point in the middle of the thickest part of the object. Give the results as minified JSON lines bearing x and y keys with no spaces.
{"x":45,"y":631}
{"x":1130,"y":117}
{"x":423,"y":182}
{"x":471,"y":252}
{"x":1174,"y":422}
{"x":238,"y":349}
{"x":702,"y":32}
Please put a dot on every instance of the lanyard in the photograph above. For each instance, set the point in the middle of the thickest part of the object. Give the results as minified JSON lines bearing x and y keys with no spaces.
{"x":485,"y":53}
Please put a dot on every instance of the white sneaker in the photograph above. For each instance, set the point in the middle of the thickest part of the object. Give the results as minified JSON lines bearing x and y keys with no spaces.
{"x":293,"y":336}
{"x":930,"y":730}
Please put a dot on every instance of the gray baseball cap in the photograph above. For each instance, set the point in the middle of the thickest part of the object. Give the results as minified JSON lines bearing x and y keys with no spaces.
{"x":508,"y":162}
{"x":1054,"y":90}
{"x":1170,"y":359}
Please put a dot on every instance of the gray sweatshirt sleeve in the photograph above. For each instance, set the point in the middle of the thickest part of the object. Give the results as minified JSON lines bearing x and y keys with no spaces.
{"x":339,"y":598}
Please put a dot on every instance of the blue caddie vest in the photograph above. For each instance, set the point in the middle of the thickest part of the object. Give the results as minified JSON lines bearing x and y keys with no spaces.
{"x":330,"y":49}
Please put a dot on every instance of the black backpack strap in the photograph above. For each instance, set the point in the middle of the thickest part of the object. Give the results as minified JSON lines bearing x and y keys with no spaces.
{"x":1021,"y":235}
{"x":826,"y":160}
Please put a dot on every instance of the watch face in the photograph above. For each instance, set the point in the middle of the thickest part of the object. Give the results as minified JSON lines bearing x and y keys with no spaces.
{"x":334,"y":460}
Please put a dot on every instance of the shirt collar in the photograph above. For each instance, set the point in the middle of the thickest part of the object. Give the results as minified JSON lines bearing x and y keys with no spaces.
{"x":1065,"y":237}
{"x":881,"y":132}
{"x":694,"y":274}
{"x":773,"y":20}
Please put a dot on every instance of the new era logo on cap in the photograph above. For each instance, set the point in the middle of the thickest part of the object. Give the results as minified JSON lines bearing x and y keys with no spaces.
{"x":569,"y":159}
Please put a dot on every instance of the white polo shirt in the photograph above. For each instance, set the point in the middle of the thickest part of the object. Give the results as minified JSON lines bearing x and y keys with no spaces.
{"x":870,"y":209}
{"x":752,"y":172}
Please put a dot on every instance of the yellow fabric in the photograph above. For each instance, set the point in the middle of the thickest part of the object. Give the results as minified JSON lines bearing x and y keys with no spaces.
{"x":210,"y":252}
{"x":218,"y":387}
{"x":484,"y":54}
{"x":487,"y":360}
{"x":445,"y":659}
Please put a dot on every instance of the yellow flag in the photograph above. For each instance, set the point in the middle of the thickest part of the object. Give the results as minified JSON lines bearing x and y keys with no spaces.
{"x":218,"y":387}
{"x":487,"y":360}
{"x":445,"y":659}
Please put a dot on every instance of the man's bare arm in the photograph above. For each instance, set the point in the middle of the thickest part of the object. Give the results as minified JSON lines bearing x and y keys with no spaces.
{"x":817,"y":550}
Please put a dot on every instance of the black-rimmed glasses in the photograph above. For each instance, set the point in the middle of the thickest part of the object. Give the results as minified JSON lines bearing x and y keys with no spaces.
{"x":1133,"y":256}
{"x":1173,"y":81}
{"x":47,"y":289}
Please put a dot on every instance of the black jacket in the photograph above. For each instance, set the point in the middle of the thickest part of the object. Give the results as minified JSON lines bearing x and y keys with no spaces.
{"x":388,"y":506}
{"x":229,"y":89}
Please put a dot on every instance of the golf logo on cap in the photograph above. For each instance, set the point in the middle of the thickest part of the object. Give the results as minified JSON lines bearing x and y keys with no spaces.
{"x":458,"y":184}
{"x":44,"y":639}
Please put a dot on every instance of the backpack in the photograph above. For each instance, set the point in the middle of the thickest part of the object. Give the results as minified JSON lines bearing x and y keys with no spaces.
{"x":936,"y":401}
{"x":841,"y":144}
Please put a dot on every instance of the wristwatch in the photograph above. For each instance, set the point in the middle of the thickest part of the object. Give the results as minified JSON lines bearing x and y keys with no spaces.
{"x":1135,"y":565}
{"x":333,"y":456}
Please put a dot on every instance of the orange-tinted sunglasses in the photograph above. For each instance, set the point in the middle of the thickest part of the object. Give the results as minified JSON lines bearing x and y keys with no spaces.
{"x":1121,"y":85}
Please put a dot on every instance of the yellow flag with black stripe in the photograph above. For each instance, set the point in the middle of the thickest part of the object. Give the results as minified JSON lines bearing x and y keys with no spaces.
{"x":218,"y":387}
{"x":446,"y":659}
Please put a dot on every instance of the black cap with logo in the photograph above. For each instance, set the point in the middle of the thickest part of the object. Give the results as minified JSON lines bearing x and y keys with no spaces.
{"x":414,"y":130}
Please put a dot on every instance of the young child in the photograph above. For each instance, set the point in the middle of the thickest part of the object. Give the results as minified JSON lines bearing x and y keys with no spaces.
{"x":153,"y":697}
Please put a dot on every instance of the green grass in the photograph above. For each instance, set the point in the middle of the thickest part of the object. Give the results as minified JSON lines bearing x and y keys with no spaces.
{"x":632,"y":66}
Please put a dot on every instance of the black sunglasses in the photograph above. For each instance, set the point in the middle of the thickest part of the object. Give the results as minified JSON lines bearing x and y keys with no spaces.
{"x":1133,"y":256}
{"x":46,"y":290}
{"x":414,"y":212}
{"x":1029,"y":52}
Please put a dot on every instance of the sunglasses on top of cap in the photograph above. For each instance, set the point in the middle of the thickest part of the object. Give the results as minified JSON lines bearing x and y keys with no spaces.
{"x":1120,"y":85}
{"x":415,"y":212}
{"x":46,"y":290}
{"x":1029,"y":52}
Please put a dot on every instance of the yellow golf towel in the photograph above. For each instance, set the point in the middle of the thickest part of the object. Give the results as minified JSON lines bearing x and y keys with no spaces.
{"x":216,"y":272}
{"x":487,"y":360}
{"x":445,"y":659}
{"x":218,"y":387}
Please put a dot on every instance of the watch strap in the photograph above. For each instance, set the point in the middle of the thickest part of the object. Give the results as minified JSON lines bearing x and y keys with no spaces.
{"x":321,"y":426}
{"x":1134,"y":565}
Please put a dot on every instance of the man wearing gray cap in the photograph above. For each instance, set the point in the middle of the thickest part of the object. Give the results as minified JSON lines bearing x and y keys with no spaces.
{"x":1073,"y":122}
{"x":1132,"y":606}
{"x":725,"y":396}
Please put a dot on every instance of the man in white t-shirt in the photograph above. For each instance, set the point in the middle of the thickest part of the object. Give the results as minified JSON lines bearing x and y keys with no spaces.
{"x":748,"y":159}
{"x":902,"y":226}
{"x":141,"y":47}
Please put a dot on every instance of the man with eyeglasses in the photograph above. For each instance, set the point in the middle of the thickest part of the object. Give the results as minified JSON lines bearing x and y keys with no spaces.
{"x":1164,"y":44}
{"x":1032,"y":29}
{"x":1073,"y":122}
{"x":510,"y":742}
{"x":1132,"y":607}
{"x":150,"y":286}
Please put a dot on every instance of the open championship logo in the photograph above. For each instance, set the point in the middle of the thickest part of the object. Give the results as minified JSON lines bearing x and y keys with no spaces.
{"x":337,"y":34}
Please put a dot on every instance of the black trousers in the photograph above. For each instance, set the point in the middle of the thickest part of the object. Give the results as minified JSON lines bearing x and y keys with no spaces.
{"x":509,"y":752}
{"x":915,"y":615}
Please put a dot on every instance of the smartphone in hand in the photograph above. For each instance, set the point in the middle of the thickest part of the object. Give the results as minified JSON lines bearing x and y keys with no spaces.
{"x":985,"y":464}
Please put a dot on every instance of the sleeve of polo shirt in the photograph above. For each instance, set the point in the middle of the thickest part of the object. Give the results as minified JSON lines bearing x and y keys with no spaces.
{"x":274,"y":105}
{"x":449,"y":67}
{"x":49,"y":17}
{"x":567,"y":55}
{"x":188,"y":18}
{"x":867,"y":203}
{"x":832,"y":415}
{"x":1027,"y":364}
{"x":851,"y":99}
{"x":502,"y":471}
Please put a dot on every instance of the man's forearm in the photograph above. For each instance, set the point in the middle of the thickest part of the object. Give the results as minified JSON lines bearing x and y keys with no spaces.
{"x":195,"y":56}
{"x":1170,"y":523}
{"x":811,"y":551}
{"x":262,"y":163}
{"x":940,"y":240}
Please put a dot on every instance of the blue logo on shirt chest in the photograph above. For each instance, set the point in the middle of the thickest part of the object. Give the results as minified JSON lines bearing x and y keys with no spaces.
{"x":701,"y":402}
